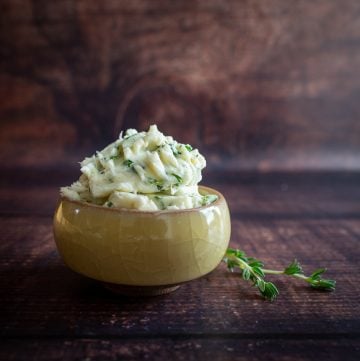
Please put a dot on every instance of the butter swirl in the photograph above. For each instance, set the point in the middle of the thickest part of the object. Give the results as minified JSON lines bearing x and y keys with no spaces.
{"x":142,"y":170}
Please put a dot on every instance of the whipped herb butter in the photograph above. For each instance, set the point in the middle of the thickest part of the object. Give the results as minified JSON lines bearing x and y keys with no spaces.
{"x":142,"y":170}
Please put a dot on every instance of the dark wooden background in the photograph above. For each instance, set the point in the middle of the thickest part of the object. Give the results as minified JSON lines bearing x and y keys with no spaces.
{"x":269,"y":90}
{"x":255,"y":84}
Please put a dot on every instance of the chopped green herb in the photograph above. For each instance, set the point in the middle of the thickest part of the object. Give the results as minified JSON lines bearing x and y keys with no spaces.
{"x":129,"y":163}
{"x":114,"y":157}
{"x":188,"y":147}
{"x":109,"y":204}
{"x":160,"y":202}
{"x":178,"y":178}
{"x":158,"y":147}
{"x":159,"y":184}
{"x":204,"y":201}
{"x":174,"y":150}
{"x":129,"y":136}
{"x":208,"y":199}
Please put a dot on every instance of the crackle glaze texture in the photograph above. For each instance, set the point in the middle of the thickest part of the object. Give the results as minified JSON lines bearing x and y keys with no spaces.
{"x":142,"y":248}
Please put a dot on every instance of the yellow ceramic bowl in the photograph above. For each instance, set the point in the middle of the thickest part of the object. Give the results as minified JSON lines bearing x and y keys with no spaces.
{"x":142,"y":252}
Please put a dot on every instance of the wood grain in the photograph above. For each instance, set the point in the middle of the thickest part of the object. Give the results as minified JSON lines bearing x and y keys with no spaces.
{"x":186,"y":349}
{"x":49,"y":312}
{"x":43,"y":298}
{"x":259,"y":85}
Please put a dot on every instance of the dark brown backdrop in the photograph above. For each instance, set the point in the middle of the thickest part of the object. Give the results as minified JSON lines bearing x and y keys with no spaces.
{"x":255,"y":84}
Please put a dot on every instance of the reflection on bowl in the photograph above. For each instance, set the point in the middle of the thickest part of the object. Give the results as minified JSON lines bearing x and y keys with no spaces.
{"x":138,"y":252}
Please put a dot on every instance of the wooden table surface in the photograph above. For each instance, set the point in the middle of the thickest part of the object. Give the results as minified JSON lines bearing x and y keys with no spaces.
{"x":51,"y":313}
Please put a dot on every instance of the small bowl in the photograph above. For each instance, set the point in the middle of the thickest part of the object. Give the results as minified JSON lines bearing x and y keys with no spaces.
{"x":142,"y":253}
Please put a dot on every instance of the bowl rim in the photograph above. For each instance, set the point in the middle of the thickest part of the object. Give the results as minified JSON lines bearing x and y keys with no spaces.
{"x":210,"y":190}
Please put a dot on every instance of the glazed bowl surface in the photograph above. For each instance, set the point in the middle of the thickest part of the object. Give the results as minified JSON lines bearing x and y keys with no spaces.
{"x":137,"y":248}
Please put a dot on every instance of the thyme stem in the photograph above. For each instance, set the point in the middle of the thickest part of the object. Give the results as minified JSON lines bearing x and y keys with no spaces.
{"x":253,"y":270}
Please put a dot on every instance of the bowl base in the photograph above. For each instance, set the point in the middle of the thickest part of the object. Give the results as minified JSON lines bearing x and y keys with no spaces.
{"x":140,"y":291}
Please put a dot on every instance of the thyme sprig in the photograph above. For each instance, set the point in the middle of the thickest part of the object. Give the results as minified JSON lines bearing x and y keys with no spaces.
{"x":253,"y":270}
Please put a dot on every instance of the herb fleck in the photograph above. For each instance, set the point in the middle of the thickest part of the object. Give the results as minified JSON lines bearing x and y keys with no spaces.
{"x":129,"y":136}
{"x":114,"y":157}
{"x":161,"y":202}
{"x":159,"y":184}
{"x":178,"y":178}
{"x":174,"y":150}
{"x":208,"y":199}
{"x":129,"y":163}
